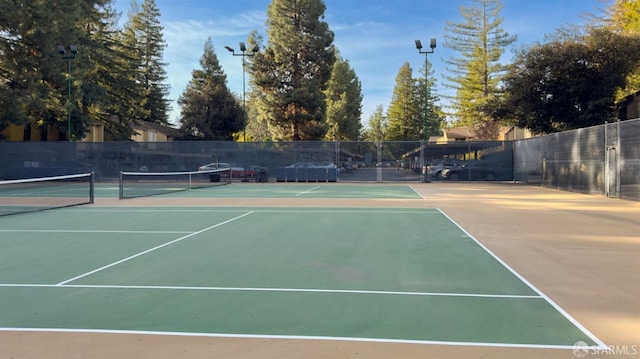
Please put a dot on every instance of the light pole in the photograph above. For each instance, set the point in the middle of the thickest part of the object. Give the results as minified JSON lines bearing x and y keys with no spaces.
{"x":73,"y":53}
{"x":432,"y":45}
{"x":243,"y":50}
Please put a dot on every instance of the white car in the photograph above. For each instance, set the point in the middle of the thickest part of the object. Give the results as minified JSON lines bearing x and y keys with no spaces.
{"x":302,"y":165}
{"x":236,"y":171}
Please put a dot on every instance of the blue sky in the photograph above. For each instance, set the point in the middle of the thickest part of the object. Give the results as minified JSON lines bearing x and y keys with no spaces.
{"x":376,"y":36}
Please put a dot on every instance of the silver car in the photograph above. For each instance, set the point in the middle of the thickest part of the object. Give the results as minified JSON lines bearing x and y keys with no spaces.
{"x":434,"y":170}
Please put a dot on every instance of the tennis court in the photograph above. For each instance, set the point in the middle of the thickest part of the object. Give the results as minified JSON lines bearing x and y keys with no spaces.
{"x":393,"y":267}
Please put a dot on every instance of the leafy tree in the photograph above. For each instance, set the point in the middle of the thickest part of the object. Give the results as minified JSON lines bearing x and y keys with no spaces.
{"x":571,"y":83}
{"x":623,"y":16}
{"x":344,"y":103}
{"x":115,"y":80}
{"x":405,"y":121}
{"x":377,"y":126}
{"x":142,"y":35}
{"x":209,"y":111}
{"x":477,"y":72}
{"x":293,"y":70}
{"x":29,"y":33}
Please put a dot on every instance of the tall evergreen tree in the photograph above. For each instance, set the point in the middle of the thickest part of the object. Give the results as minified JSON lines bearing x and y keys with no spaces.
{"x":108,"y":86}
{"x":293,"y":70}
{"x":405,"y":120}
{"x":344,"y":103}
{"x":209,"y":111}
{"x":427,"y":102}
{"x":143,"y":37}
{"x":258,"y":126}
{"x":377,"y":126}
{"x":477,"y":73}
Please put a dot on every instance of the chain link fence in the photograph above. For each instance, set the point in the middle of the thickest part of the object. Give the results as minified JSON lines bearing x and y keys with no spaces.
{"x":601,"y":160}
{"x":273,"y":161}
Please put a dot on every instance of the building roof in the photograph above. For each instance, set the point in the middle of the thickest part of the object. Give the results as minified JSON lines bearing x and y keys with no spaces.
{"x":458,"y":133}
{"x":149,"y":126}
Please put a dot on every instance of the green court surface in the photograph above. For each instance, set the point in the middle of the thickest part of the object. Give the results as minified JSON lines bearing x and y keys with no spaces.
{"x":399,"y":275}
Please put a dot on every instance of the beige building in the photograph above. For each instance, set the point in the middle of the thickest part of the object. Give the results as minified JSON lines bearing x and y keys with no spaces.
{"x":454,"y":134}
{"x":144,"y":132}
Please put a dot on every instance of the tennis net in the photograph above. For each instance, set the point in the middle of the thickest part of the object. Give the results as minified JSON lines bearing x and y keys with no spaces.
{"x":38,"y":194}
{"x":142,"y":184}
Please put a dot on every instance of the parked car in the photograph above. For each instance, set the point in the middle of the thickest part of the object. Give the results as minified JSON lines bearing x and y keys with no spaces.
{"x":302,"y":165}
{"x":434,"y":170}
{"x":325,"y":164}
{"x":471,"y":170}
{"x":236,"y":171}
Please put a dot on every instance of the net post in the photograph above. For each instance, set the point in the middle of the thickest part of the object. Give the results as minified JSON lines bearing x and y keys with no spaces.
{"x":92,"y":186}
{"x":121,"y":186}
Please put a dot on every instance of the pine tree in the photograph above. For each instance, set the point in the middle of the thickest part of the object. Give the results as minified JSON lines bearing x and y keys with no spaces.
{"x":477,"y":72}
{"x":344,"y":103}
{"x":143,"y":37}
{"x":377,"y":126}
{"x":293,"y":70}
{"x":405,"y":120}
{"x":258,"y":126}
{"x":108,"y":86}
{"x":427,"y":102}
{"x":209,"y":111}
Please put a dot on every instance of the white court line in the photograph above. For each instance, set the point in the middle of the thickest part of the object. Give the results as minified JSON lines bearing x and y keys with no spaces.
{"x":275,"y":210}
{"x":153,"y":249}
{"x":366,"y":211}
{"x":88,"y":231}
{"x":418,"y":193}
{"x":307,"y":191}
{"x":294,"y":337}
{"x":276,"y":290}
{"x":584,"y":330}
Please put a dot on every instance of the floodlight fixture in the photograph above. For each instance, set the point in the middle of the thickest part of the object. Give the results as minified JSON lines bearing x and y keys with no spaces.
{"x":73,"y":49}
{"x":425,"y":124}
{"x":243,"y":49}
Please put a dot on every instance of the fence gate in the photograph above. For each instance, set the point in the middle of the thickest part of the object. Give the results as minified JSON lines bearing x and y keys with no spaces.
{"x":612,"y":159}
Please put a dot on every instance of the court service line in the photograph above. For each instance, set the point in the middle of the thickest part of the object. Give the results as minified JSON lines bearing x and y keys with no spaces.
{"x":278,"y":290}
{"x":307,"y":191}
{"x":584,"y":330}
{"x":154,"y":248}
